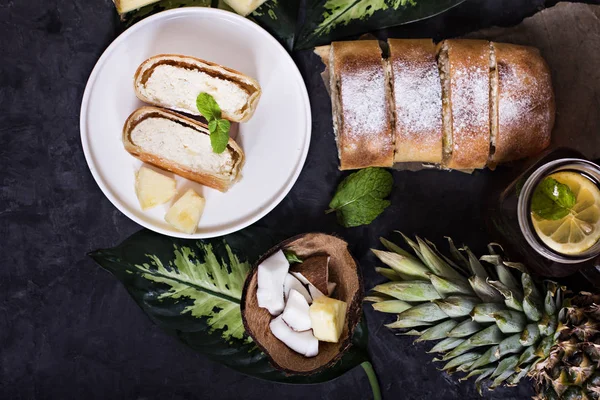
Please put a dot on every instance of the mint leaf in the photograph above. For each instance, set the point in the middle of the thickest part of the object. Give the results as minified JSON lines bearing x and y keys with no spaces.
{"x":552,"y":200}
{"x":291,"y":257}
{"x":218,"y":128}
{"x":212,"y":125}
{"x":361,"y":213}
{"x":224,"y":126}
{"x":208,"y":107}
{"x":219,"y":134}
{"x":359,"y":198}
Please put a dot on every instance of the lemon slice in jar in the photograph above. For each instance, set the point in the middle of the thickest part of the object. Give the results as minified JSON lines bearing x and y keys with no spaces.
{"x":580,"y":229}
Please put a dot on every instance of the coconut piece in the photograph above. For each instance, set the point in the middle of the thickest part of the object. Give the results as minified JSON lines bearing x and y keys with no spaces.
{"x":343,"y":270}
{"x":300,"y":277}
{"x":291,"y":283}
{"x":271,"y":276}
{"x":331,"y":287}
{"x":295,"y":313}
{"x":301,"y":342}
{"x":314,"y":292}
{"x":316,"y":270}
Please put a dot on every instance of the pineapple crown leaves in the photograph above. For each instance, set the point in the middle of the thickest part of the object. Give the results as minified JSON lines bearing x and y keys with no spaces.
{"x":491,"y":319}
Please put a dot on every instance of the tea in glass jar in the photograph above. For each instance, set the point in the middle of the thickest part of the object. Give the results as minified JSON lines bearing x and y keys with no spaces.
{"x":548,"y":216}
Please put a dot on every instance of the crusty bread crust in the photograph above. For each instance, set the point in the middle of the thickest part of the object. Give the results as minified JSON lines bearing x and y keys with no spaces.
{"x":525,"y":103}
{"x":496,"y":102}
{"x":417,"y":97}
{"x":246,"y":83}
{"x":362,"y":113}
{"x":470,"y":103}
{"x":221,"y":183}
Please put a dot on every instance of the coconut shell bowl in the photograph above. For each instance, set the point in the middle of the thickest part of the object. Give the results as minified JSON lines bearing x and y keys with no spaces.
{"x":343,"y":271}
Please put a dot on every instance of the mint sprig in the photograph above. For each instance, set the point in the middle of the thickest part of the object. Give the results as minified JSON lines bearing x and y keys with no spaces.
{"x":218,"y":127}
{"x":359,"y":198}
{"x":552,"y":200}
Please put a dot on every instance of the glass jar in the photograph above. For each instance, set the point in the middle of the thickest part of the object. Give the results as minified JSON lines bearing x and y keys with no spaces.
{"x":508,"y":217}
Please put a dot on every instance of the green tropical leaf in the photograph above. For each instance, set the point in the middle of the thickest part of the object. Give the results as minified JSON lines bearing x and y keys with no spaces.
{"x":328,"y":20}
{"x":279,"y":18}
{"x":342,"y":12}
{"x":192,"y":290}
{"x":213,"y":289}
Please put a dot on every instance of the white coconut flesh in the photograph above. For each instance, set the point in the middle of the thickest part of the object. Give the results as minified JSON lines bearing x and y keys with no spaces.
{"x":301,"y":278}
{"x":285,"y":295}
{"x":311,"y":288}
{"x":291,"y":283}
{"x":296,"y":313}
{"x":301,"y":342}
{"x":314,"y":292}
{"x":271,"y":276}
{"x":331,"y":287}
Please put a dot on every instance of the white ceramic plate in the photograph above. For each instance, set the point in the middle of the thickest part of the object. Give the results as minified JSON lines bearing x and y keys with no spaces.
{"x":275,"y":140}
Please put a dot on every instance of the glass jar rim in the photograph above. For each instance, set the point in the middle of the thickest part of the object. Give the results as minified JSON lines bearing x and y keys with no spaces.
{"x":524,"y":208}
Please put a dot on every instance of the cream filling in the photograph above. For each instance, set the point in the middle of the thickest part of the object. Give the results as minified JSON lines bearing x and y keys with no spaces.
{"x":183,"y":145}
{"x":179,"y":87}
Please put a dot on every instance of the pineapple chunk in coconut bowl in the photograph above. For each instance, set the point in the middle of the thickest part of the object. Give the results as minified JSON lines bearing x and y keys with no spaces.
{"x":302,"y":301}
{"x":489,"y":319}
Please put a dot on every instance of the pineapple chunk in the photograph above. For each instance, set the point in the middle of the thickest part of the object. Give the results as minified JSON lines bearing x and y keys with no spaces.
{"x":244,"y":7}
{"x":327,"y":318}
{"x":185,"y":213}
{"x":124,"y":6}
{"x":153,"y":188}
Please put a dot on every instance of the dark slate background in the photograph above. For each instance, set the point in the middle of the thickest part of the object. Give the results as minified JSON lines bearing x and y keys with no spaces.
{"x":68,"y":330}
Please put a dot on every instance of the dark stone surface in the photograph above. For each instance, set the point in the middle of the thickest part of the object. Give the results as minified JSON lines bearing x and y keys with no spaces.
{"x":68,"y":330}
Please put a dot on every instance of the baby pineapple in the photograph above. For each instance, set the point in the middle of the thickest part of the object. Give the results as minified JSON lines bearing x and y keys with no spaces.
{"x":185,"y":213}
{"x":153,"y":188}
{"x":327,"y":318}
